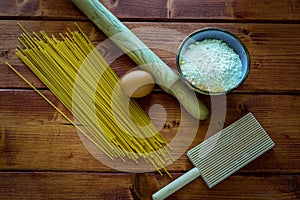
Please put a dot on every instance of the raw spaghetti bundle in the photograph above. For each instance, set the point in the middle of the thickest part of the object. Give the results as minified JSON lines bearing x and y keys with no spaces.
{"x":78,"y":75}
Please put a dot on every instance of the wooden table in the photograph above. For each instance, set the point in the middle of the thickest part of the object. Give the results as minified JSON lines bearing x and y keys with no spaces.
{"x":42,"y":157}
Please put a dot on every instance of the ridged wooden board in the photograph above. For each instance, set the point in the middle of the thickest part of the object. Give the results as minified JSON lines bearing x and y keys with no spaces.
{"x":230,"y":149}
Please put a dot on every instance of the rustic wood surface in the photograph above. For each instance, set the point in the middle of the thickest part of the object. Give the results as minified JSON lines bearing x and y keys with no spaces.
{"x":42,"y":156}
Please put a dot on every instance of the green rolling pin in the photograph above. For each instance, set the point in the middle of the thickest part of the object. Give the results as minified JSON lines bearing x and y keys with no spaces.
{"x":143,"y":56}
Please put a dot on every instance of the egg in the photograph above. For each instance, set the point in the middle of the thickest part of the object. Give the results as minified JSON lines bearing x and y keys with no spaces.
{"x":137,"y":83}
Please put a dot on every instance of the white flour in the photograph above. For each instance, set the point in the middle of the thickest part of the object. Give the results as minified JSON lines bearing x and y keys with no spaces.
{"x":211,"y":65}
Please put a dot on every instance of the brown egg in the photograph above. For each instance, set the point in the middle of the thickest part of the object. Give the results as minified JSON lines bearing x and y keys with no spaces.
{"x":137,"y":83}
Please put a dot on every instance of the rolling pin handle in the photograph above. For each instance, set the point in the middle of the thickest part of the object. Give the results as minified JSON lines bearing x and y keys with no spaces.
{"x":142,"y":55}
{"x":176,"y":184}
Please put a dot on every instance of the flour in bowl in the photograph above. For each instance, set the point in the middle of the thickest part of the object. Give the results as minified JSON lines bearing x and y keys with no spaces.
{"x":211,"y":65}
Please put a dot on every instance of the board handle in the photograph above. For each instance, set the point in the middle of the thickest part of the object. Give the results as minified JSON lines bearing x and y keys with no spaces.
{"x":176,"y":184}
{"x":143,"y":56}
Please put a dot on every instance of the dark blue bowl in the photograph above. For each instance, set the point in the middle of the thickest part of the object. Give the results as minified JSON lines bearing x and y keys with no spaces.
{"x":220,"y":34}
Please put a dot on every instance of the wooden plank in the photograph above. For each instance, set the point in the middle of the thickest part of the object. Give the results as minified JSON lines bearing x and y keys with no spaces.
{"x":274,"y":50}
{"x":235,"y":10}
{"x":157,"y":9}
{"x":68,"y":185}
{"x":65,"y":186}
{"x":42,"y":157}
{"x":52,"y":9}
{"x":234,"y":187}
{"x":35,"y":137}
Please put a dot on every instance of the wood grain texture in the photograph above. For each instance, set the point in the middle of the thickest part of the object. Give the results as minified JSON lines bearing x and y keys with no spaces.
{"x":142,"y":55}
{"x":35,"y":186}
{"x":34,"y":136}
{"x":68,"y":185}
{"x":42,"y":157}
{"x":274,"y":50}
{"x":52,"y":9}
{"x":237,"y":10}
{"x":235,"y":187}
{"x":284,"y":10}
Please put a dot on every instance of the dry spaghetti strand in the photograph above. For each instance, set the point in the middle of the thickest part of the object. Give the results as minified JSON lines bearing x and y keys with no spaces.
{"x":70,"y":67}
